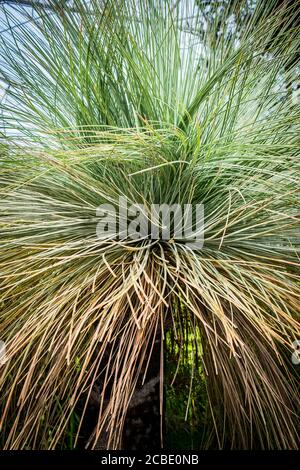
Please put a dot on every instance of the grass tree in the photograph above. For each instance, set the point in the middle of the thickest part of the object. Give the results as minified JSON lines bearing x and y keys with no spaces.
{"x":157,"y":102}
